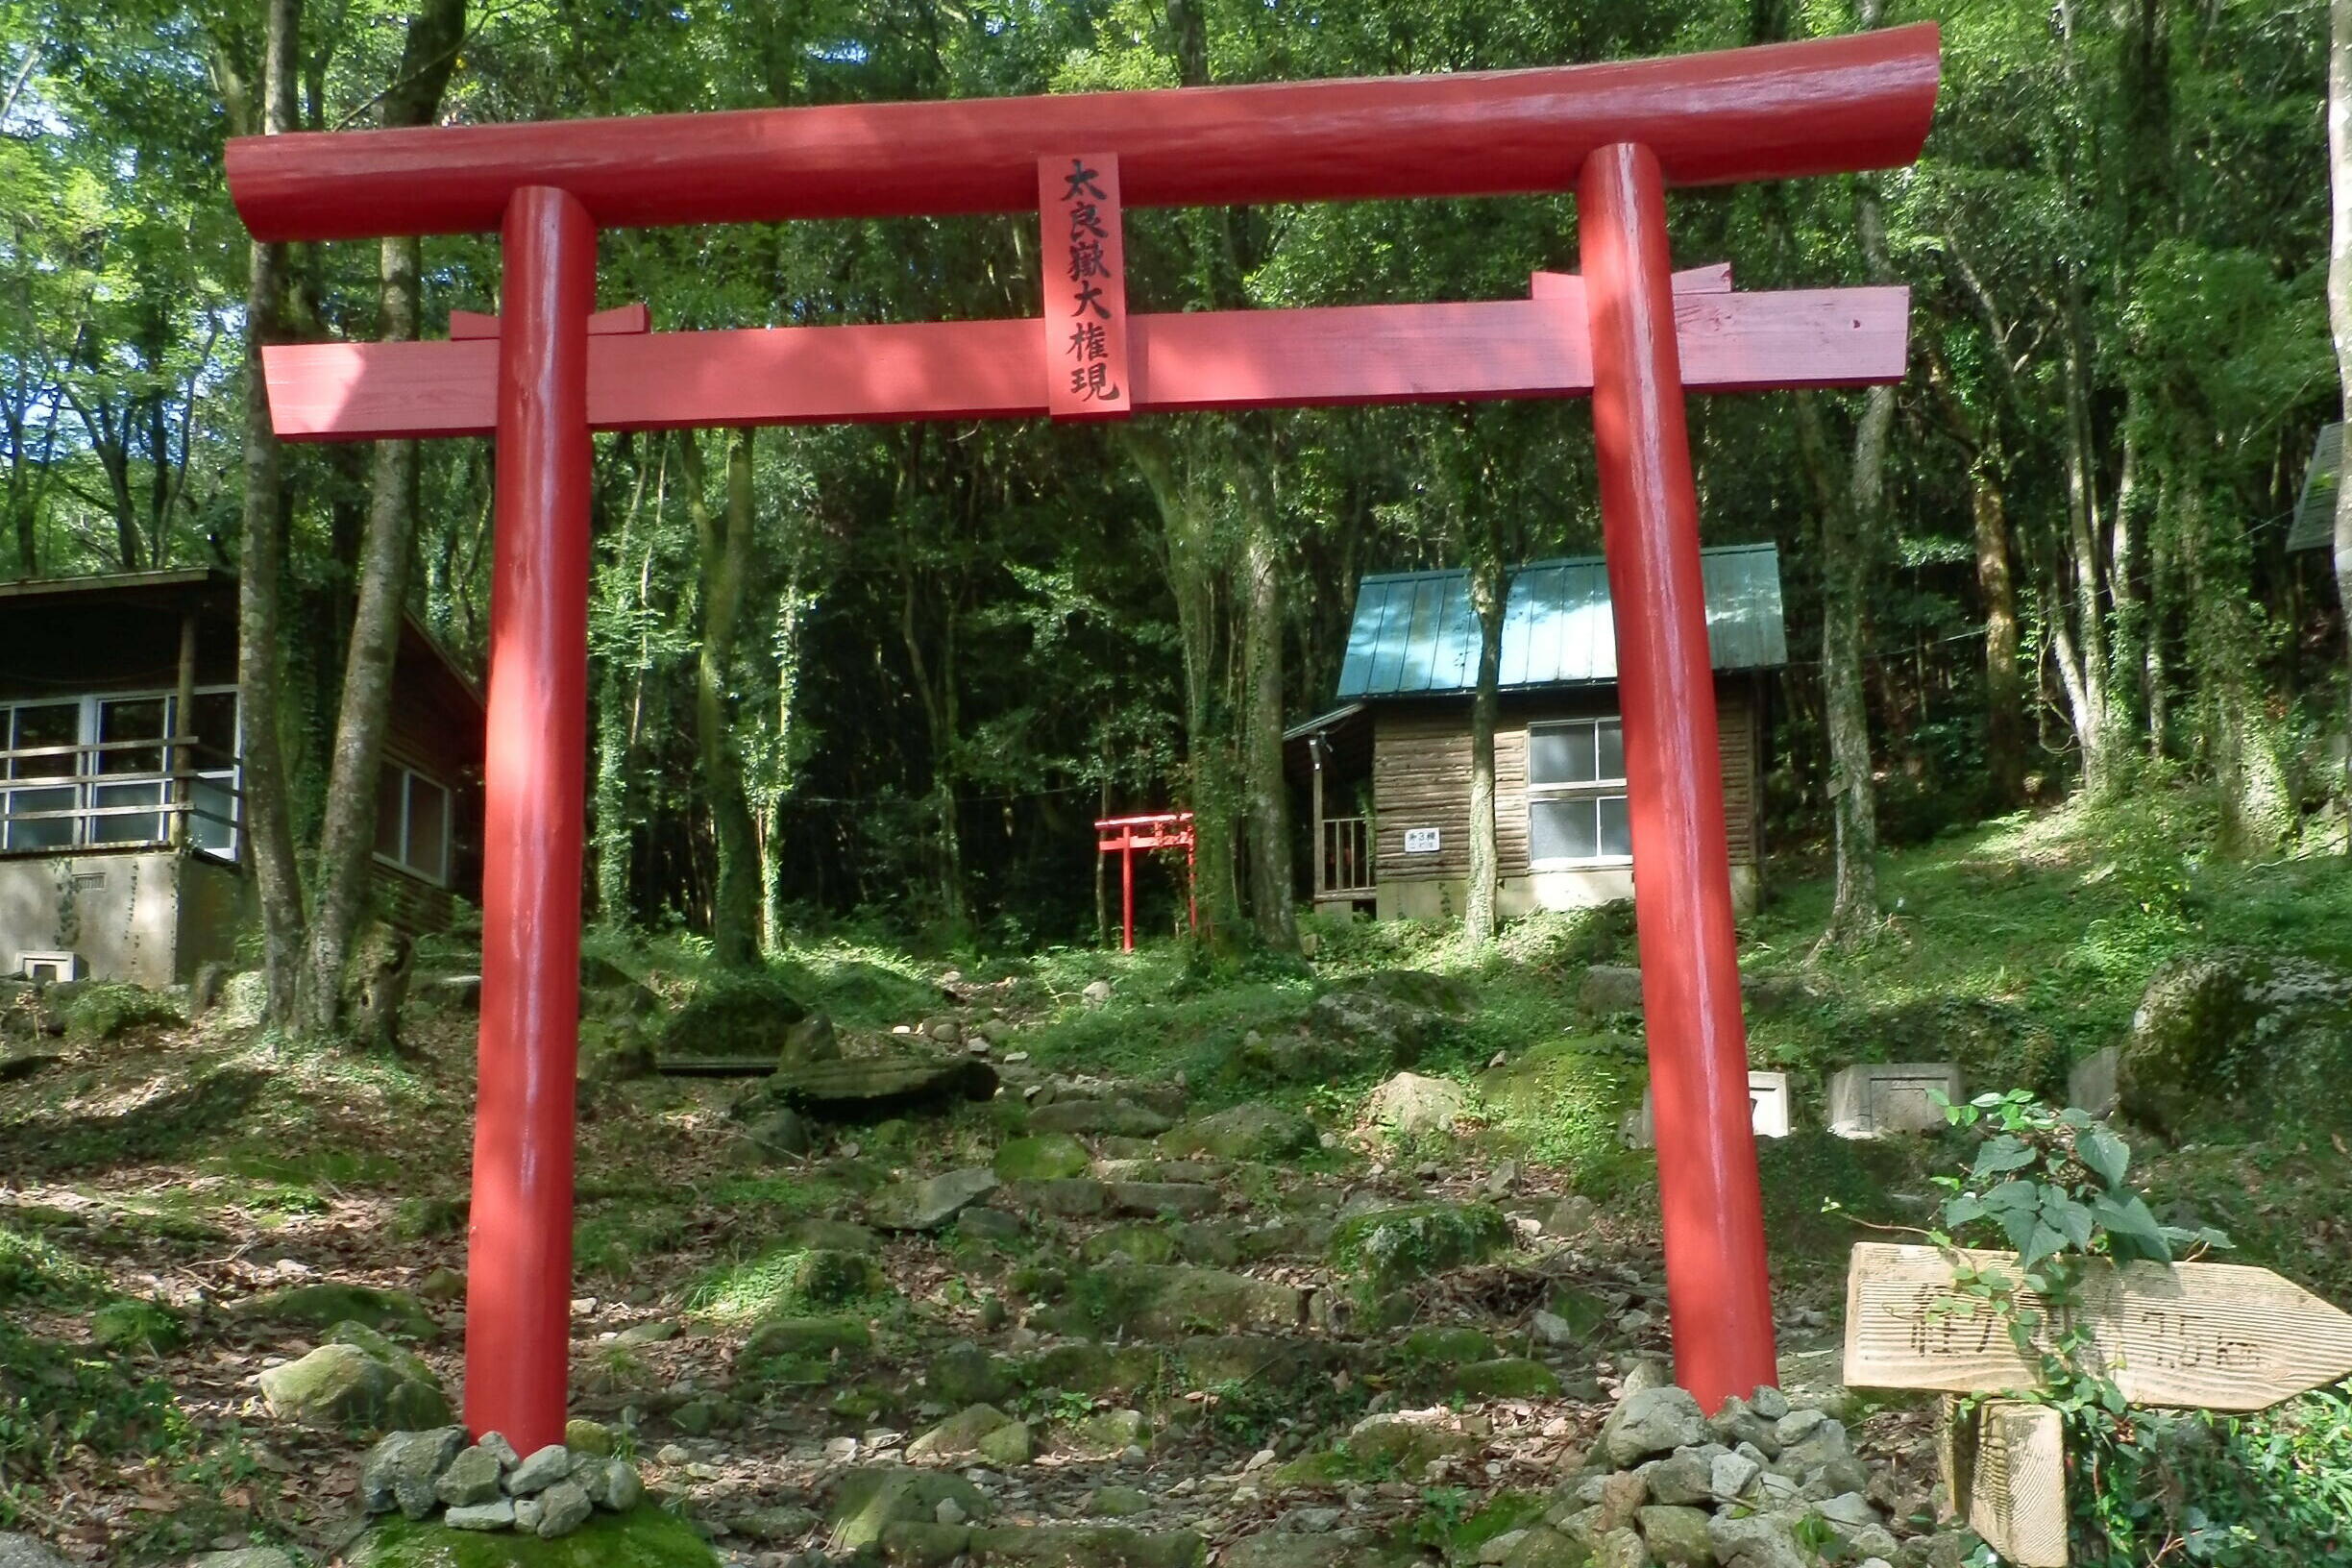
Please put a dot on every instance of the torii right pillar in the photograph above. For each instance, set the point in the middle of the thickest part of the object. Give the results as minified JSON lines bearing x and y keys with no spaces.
{"x":1719,"y":1287}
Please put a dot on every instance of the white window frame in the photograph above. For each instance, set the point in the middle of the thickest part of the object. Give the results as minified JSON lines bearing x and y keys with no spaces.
{"x":1593,"y":790}
{"x":408,"y":779}
{"x":83,"y":830}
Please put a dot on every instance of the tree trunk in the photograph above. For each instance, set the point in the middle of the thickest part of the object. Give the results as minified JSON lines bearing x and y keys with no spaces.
{"x":1192,"y":562}
{"x":267,"y":812}
{"x":387,"y":544}
{"x":2340,"y":317}
{"x":2005,"y":736}
{"x":1489,"y":595}
{"x":722,"y":538}
{"x":1272,"y":895}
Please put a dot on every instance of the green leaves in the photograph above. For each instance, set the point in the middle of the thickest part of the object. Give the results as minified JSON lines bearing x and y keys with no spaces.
{"x":2003,"y":1154}
{"x":2105,"y":1155}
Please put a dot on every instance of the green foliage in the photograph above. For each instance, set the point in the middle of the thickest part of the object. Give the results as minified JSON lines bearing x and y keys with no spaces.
{"x":35,"y":1270}
{"x":54,"y":1399}
{"x":2232,"y":1492}
{"x":1563,"y":1101}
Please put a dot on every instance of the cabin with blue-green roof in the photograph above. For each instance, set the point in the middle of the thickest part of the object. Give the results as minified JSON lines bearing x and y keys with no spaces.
{"x":1387,"y":773}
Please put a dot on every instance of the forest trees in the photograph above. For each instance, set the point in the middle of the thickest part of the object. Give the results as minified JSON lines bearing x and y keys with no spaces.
{"x":895,"y":671}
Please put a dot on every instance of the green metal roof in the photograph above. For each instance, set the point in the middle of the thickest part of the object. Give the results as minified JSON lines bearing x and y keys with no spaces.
{"x":1415,"y":634}
{"x":2314,"y":514}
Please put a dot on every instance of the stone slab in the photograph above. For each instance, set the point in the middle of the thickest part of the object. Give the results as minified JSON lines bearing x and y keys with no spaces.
{"x":1873,"y":1099}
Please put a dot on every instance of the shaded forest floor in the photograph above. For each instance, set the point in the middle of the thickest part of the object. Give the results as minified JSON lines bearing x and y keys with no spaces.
{"x":1186,"y":1324}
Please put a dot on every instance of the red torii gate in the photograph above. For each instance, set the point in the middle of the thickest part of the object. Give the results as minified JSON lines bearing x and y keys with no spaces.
{"x":550,"y":370}
{"x":1124,"y":836}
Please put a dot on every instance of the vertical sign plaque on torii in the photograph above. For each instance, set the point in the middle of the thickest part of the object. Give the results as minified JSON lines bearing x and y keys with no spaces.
{"x":1083,"y":260}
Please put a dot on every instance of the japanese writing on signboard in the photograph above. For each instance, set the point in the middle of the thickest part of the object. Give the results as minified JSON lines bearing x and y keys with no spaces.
{"x":1084,"y":264}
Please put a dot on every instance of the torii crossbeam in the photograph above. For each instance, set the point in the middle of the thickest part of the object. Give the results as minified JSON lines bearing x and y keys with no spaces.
{"x":1628,"y":332}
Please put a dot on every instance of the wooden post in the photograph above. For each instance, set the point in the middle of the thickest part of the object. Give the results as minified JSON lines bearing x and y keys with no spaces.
{"x":1127,"y":891}
{"x":1718,"y":1283}
{"x":519,"y":1243}
{"x":2004,"y":1469}
{"x":1322,"y":848}
{"x":184,"y":725}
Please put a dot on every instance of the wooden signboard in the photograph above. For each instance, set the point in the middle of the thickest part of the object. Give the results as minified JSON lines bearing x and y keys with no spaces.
{"x":1083,"y":254}
{"x":2215,"y":1337}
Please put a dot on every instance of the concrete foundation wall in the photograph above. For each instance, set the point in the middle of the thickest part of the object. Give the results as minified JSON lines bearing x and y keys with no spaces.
{"x":146,"y":917}
{"x":1433,"y":898}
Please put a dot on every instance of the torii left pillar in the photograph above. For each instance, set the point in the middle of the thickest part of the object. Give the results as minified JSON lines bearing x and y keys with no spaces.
{"x":519,"y":1237}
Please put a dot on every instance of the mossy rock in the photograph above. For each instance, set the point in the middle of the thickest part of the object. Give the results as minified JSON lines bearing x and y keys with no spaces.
{"x":415,"y":1219}
{"x":136,"y":1326}
{"x":342,"y":1387}
{"x":1084,"y":1546}
{"x":1264,"y":1360}
{"x":1041,"y":1158}
{"x":1564,"y":1101}
{"x":734,"y":1014}
{"x":966,"y":1374}
{"x":871,"y":1088}
{"x":1162,"y":1300}
{"x":1395,"y":1247}
{"x":869,"y":1501}
{"x":789,"y":1281}
{"x":323,"y":1306}
{"x":645,"y":1537}
{"x":1445,"y":1346}
{"x":795,"y":1350}
{"x":1509,"y":1377}
{"x":1104,"y":1371}
{"x":1500,"y":1515}
{"x":2234,"y":1035}
{"x":1137,"y":1243}
{"x":1244,"y":1132}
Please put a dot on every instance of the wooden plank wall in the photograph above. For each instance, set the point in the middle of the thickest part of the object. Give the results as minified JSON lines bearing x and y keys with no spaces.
{"x":1421,"y":776}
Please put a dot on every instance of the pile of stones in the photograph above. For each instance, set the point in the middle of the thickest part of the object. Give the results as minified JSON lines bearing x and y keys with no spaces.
{"x":1666,"y":1484}
{"x":489,"y":1487}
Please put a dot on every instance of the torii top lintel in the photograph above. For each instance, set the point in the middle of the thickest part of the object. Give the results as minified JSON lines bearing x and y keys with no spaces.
{"x":1776,"y":111}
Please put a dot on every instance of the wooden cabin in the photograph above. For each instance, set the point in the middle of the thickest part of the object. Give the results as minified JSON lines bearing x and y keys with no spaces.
{"x":1385,"y":775}
{"x":122,"y":855}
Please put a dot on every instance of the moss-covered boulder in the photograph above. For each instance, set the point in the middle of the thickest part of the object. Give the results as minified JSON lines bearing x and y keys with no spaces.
{"x":1099,"y":1119}
{"x":930,"y":1204}
{"x":791,"y":1281}
{"x":1444,"y":1346}
{"x":1133,"y":1243}
{"x":323,"y":1306}
{"x":2236,"y":1033}
{"x":1041,"y":1158}
{"x":871,"y":1088}
{"x":342,"y":1387}
{"x":792,"y":1350}
{"x":734,"y":1014}
{"x":1389,"y":1247}
{"x":1564,"y":1100}
{"x":1084,"y":1546}
{"x":1104,"y":1371}
{"x":872,"y":1498}
{"x":1161,"y":1301}
{"x":1245,"y":1132}
{"x":1509,"y":1377}
{"x":981,"y":1430}
{"x":644,"y":1537}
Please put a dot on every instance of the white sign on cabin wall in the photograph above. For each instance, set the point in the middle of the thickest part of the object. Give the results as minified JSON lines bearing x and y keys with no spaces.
{"x":1421,"y":841}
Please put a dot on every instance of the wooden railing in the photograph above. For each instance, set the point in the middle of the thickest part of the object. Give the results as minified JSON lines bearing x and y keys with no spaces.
{"x":1344,"y":865}
{"x":192,"y":799}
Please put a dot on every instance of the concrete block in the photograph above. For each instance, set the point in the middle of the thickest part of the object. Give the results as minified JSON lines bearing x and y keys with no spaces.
{"x":1877,"y":1098}
{"x":1768,"y":1105}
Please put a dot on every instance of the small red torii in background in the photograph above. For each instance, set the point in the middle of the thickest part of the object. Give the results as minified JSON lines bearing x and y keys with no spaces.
{"x":1168,"y":830}
{"x":550,"y":369}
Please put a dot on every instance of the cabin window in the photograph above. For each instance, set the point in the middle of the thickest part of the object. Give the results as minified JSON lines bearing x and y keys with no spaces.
{"x":412,"y":823}
{"x":1576,"y":812}
{"x":94,"y":772}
